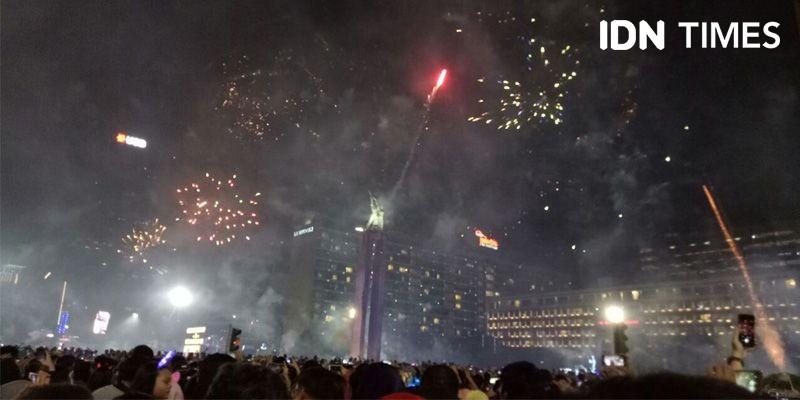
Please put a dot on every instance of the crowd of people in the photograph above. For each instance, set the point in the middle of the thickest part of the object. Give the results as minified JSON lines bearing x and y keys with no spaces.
{"x":143,"y":374}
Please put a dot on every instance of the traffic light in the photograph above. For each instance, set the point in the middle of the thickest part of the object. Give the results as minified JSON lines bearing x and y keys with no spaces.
{"x":233,"y":345}
{"x":620,"y":339}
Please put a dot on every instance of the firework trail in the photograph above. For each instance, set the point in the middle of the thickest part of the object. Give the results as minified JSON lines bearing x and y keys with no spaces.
{"x":537,"y":97}
{"x":770,"y":336}
{"x":217,"y":210}
{"x":141,"y":239}
{"x":422,"y":127}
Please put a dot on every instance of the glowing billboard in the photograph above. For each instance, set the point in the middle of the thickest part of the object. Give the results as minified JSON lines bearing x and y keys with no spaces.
{"x":194,"y":342}
{"x":101,"y":322}
{"x":485,"y":241}
{"x":134,"y":141}
{"x":303,"y":231}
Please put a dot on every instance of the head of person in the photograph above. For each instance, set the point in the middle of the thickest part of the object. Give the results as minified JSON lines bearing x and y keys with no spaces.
{"x":271,"y":386}
{"x":354,"y":380}
{"x":233,"y":379}
{"x":99,"y":378}
{"x":64,"y":367}
{"x":668,"y":386}
{"x":81,"y":371}
{"x":151,"y":381}
{"x":10,"y":371}
{"x":439,"y":382}
{"x":9,"y":351}
{"x":55,"y":391}
{"x":31,"y":367}
{"x":377,"y":380}
{"x":206,"y":371}
{"x":141,"y":353}
{"x":126,"y":371}
{"x":177,"y":362}
{"x":313,"y":363}
{"x":318,"y":383}
{"x":522,"y":380}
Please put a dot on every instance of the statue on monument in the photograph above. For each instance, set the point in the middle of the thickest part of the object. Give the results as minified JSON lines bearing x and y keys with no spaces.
{"x":375,"y":222}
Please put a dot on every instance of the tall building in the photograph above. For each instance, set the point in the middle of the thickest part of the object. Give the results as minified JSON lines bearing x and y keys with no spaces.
{"x":703,"y":257}
{"x":10,"y":275}
{"x":688,"y":293}
{"x":708,"y":307}
{"x":431,"y":299}
{"x":15,"y":283}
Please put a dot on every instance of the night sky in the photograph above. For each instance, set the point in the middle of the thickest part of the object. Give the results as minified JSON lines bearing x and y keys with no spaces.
{"x":347,"y":82}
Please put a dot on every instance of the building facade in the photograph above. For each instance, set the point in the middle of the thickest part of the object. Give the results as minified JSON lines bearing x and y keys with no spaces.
{"x":705,"y":308}
{"x":698,"y":277}
{"x":764,"y":249}
{"x":431,"y":299}
{"x":690,"y":296}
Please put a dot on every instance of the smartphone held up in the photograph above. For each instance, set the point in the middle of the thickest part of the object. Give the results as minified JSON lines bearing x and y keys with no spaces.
{"x":747,"y":330}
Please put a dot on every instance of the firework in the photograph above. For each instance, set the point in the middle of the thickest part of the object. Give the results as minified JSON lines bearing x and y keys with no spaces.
{"x":772,"y":340}
{"x":439,"y":82}
{"x":536,"y":97}
{"x":217,"y":210}
{"x":260,"y":102}
{"x":141,"y":239}
{"x":422,"y":127}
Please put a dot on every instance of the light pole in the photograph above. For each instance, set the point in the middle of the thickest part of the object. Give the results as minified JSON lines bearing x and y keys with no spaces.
{"x":615,"y":316}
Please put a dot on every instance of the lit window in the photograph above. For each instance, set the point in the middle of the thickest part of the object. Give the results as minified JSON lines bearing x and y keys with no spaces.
{"x":635,"y":294}
{"x":458,"y":296}
{"x":328,"y":318}
{"x":791,"y":284}
{"x":517,"y":303}
{"x":390,"y":267}
{"x":458,"y":306}
{"x":436,"y":320}
{"x":348,"y":270}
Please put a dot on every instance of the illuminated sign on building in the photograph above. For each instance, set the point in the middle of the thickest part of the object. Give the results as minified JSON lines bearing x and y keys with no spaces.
{"x":194,"y":343}
{"x":303,"y":231}
{"x":63,"y":323}
{"x":134,"y":141}
{"x":101,"y":322}
{"x":485,"y":241}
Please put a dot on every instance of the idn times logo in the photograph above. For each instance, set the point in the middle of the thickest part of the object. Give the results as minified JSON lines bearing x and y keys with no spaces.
{"x":620,"y":34}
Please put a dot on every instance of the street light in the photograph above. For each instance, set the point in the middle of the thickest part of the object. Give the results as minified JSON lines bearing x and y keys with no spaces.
{"x":180,"y":297}
{"x":615,"y":314}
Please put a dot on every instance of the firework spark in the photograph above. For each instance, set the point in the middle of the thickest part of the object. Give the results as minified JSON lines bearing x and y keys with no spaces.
{"x":216,"y":208}
{"x":538,"y":96}
{"x":141,"y":239}
{"x":258,"y":101}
